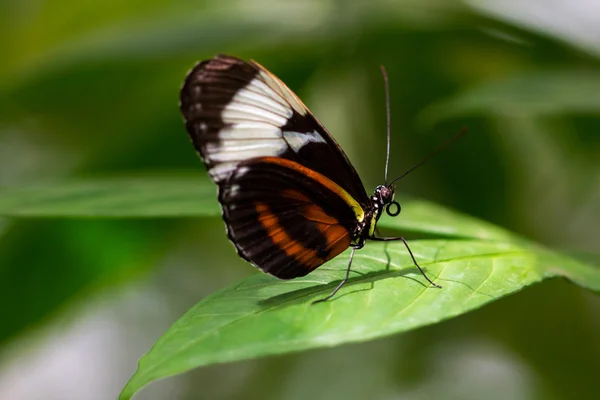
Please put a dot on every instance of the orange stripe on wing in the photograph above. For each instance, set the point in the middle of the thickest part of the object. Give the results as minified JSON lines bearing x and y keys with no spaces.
{"x":295,"y":195}
{"x":281,"y":239}
{"x":336,"y":235}
{"x":316,"y":214}
{"x":321,"y":179}
{"x":338,"y":239}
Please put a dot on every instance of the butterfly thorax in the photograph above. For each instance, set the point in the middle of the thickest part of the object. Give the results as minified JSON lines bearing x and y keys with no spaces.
{"x":382,"y":197}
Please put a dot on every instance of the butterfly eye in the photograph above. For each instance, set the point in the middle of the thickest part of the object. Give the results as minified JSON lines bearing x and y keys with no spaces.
{"x":393,"y":209}
{"x":385,"y":194}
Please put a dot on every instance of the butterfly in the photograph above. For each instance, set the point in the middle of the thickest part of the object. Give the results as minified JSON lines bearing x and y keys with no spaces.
{"x":290,"y":198}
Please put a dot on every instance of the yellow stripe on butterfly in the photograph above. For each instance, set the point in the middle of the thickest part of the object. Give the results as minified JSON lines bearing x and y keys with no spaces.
{"x":321,"y":179}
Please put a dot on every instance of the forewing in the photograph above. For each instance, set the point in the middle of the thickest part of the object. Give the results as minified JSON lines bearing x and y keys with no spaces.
{"x":236,"y":111}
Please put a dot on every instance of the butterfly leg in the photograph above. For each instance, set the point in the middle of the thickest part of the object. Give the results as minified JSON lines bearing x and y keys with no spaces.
{"x":388,"y":239}
{"x":338,"y":287}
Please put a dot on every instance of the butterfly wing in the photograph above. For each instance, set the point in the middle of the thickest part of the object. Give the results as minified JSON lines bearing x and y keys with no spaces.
{"x":237,"y":110}
{"x":285,"y":218}
{"x":291,"y":199}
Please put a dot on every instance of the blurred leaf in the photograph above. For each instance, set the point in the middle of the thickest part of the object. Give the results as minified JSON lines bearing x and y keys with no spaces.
{"x":181,"y":195}
{"x":262,"y":315}
{"x":158,"y":196}
{"x":529,"y":94}
{"x":58,"y":36}
{"x":577,"y":26}
{"x":45,"y":265}
{"x":586,"y":275}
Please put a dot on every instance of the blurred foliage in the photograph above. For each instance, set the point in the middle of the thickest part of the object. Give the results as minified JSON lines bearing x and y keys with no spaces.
{"x":88,"y":89}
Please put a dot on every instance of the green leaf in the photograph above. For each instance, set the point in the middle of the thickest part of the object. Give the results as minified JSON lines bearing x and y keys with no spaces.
{"x":536,"y":93}
{"x":477,"y":264}
{"x":424,"y":216}
{"x":193,"y":196}
{"x":51,"y":264}
{"x":263,"y":316}
{"x":156,"y":196}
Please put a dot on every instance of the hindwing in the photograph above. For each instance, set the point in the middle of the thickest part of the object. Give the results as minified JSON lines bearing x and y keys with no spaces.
{"x":286,"y":219}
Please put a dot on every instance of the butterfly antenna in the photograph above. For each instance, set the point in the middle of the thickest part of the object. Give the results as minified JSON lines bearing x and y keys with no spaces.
{"x":433,"y":153}
{"x":387,"y":111}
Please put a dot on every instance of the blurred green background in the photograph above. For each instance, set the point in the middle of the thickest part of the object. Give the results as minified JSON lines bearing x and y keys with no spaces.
{"x":90,"y":89}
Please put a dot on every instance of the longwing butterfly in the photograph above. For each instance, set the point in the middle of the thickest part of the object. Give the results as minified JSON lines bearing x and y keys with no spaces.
{"x":291,"y":199}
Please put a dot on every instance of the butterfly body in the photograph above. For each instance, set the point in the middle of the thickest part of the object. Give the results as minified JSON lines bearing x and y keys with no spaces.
{"x":291,"y":199}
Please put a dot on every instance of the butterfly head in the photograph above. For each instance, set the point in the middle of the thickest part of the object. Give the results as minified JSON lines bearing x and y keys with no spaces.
{"x":384,"y":197}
